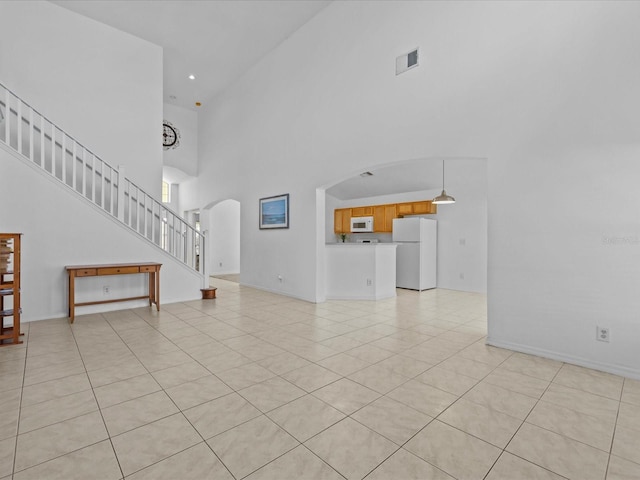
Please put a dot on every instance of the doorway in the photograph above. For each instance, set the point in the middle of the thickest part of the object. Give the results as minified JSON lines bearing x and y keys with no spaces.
{"x":223,"y":240}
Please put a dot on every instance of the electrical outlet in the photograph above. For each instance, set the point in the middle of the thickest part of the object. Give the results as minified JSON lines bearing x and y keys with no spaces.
{"x":602,"y":334}
{"x":369,"y":282}
{"x":106,"y":290}
{"x":462,"y":276}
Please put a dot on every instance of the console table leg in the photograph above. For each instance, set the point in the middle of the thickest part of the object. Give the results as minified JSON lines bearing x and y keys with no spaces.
{"x":72,"y":296}
{"x":152,"y":287}
{"x":157,"y":288}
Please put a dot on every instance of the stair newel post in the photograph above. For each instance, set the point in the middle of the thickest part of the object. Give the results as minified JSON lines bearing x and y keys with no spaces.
{"x":43,"y":145}
{"x":120,"y":190}
{"x":19,"y":126}
{"x":204,"y":267}
{"x":31,"y":128}
{"x":7,"y":116}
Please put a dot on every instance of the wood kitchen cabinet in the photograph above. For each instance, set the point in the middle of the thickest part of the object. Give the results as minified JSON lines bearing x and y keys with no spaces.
{"x":416,"y":208}
{"x":362,"y":211}
{"x":383,"y":216}
{"x":404,"y":209}
{"x":342,"y":220}
{"x":425,"y":207}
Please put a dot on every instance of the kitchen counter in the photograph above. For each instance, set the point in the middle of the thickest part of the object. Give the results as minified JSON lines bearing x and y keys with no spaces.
{"x":360,"y":271}
{"x":357,"y":244}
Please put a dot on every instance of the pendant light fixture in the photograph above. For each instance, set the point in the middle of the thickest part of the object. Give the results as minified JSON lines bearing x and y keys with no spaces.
{"x":443,"y":198}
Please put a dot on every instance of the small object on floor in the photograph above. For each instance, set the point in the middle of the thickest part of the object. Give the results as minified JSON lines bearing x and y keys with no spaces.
{"x":208,"y":293}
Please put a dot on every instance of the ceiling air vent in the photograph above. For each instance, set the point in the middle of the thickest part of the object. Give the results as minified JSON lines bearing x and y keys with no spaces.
{"x":407,"y":61}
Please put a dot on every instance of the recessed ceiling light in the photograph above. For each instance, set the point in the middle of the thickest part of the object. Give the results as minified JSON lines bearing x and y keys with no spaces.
{"x":192,"y":77}
{"x":198,"y":104}
{"x":366,"y":174}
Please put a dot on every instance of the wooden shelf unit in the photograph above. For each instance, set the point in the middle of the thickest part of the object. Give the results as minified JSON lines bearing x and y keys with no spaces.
{"x":10,"y":288}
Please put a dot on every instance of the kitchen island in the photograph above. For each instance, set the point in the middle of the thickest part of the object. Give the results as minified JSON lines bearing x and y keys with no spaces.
{"x":360,"y":271}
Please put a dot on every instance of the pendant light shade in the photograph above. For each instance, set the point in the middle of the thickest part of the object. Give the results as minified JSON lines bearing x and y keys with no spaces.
{"x":443,"y":198}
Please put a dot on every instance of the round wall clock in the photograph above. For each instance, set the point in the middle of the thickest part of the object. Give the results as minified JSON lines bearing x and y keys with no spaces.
{"x":170,"y":135}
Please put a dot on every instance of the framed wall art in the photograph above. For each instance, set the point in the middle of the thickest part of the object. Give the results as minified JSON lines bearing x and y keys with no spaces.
{"x":274,"y":212}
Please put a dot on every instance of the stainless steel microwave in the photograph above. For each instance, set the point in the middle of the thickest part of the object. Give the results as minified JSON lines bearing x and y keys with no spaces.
{"x":361,"y":224}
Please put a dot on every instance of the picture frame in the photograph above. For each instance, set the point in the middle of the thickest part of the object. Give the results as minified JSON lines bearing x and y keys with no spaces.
{"x":274,"y":212}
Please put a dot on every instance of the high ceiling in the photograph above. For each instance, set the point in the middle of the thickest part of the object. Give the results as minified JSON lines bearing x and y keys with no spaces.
{"x":218,"y":41}
{"x":214,"y":40}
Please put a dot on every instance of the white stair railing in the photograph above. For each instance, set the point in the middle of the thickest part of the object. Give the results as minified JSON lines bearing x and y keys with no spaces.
{"x":39,"y":140}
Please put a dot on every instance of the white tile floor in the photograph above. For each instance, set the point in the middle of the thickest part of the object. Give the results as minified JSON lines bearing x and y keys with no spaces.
{"x":259,"y":386}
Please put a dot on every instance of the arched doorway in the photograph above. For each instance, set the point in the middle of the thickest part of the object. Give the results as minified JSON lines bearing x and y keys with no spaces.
{"x":462,"y":227}
{"x":223,"y":239}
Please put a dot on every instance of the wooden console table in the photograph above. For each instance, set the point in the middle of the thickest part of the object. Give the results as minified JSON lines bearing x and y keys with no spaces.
{"x":153,"y":269}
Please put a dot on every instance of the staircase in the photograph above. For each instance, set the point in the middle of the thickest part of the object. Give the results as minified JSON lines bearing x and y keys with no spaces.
{"x":40,"y":142}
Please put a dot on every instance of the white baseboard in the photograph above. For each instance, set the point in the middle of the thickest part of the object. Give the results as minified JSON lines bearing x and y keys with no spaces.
{"x":277,"y":292}
{"x":359,"y":297}
{"x":623,"y":371}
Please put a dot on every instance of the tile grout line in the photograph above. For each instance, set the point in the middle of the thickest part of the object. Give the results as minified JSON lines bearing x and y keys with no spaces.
{"x":24,"y":373}
{"x":168,"y":396}
{"x":525,"y":420}
{"x":311,"y":393}
{"x":233,"y":391}
{"x":615,"y":428}
{"x":342,"y":377}
{"x":95,"y":398}
{"x":61,"y":421}
{"x":242,"y":311}
{"x":204,"y":440}
{"x":447,"y":408}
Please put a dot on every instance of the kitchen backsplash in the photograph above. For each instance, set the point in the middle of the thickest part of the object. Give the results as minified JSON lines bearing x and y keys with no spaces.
{"x":381,"y":237}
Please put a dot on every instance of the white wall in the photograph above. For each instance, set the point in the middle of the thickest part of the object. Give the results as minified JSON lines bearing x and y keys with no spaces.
{"x":224,"y":238}
{"x":185,"y":156}
{"x":174,"y":197}
{"x":332,"y":203}
{"x":100,"y":85}
{"x":104,"y":88}
{"x":188,"y":200}
{"x":53,"y":239}
{"x":180,"y":164}
{"x":546,"y":91}
{"x":462,"y":227}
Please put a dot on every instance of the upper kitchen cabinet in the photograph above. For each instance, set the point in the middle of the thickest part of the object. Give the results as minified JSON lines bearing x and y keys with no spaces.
{"x":416,"y":208}
{"x":342,"y":220}
{"x":362,"y":211}
{"x":425,"y":207}
{"x":383,"y":216}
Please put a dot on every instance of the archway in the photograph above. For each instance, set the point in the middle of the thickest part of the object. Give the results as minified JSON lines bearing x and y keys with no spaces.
{"x":462,"y":227}
{"x":223,"y":238}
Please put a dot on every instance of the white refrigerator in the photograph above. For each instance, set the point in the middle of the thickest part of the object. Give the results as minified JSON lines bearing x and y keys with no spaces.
{"x":416,"y":254}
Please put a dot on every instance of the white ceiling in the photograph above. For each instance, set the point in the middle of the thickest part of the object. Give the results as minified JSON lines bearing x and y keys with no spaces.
{"x":215,"y":40}
{"x":423,"y":174}
{"x":218,"y":41}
